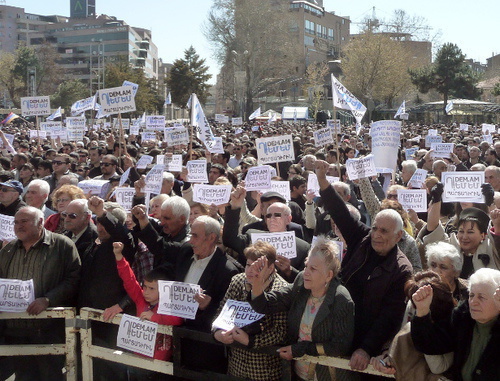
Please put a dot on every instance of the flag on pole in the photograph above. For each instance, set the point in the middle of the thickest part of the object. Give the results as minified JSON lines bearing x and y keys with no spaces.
{"x":99,"y":115}
{"x":188,"y":104}
{"x":200,"y":123}
{"x":254,"y":114}
{"x":295,"y":116}
{"x":272,"y":118}
{"x":56,"y":114}
{"x":9,"y":118}
{"x":401,"y":110}
{"x":343,"y":99}
{"x":168,"y":99}
{"x":449,"y":107}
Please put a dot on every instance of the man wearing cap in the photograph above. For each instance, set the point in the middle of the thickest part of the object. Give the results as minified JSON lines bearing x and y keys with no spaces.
{"x":10,"y":197}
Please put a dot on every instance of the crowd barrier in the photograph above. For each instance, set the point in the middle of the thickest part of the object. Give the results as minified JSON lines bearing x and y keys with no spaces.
{"x":89,"y":351}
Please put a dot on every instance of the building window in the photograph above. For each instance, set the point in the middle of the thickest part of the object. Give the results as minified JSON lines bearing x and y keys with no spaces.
{"x":309,"y":27}
{"x":330,"y":34}
{"x":318,"y":30}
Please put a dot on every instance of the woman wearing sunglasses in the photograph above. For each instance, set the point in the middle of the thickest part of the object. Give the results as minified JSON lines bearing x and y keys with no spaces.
{"x":60,"y":200}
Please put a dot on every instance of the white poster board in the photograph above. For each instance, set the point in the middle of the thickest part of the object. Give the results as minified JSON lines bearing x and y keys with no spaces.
{"x":335,"y":126}
{"x":281,"y":187}
{"x":75,"y":127}
{"x":488,"y":128}
{"x":35,"y":134}
{"x":258,"y":178}
{"x":176,"y":136}
{"x":217,"y":146}
{"x":16,"y":295}
{"x":155,"y":122}
{"x":410,"y":152}
{"x":415,"y":199}
{"x":125,"y":197}
{"x":361,"y":168}
{"x":211,"y":194}
{"x":93,"y":187}
{"x":197,"y":171}
{"x":144,"y":161}
{"x":417,"y":179}
{"x":137,"y":335}
{"x":283,"y":242}
{"x":386,"y":141}
{"x":7,"y":228}
{"x":312,"y":182}
{"x":237,"y":121}
{"x":117,"y":100}
{"x":275,"y":149}
{"x":172,"y":163}
{"x":148,"y":136}
{"x":442,"y":149}
{"x":177,"y":299}
{"x":154,"y":179}
{"x":323,"y":137}
{"x":236,"y":314}
{"x":464,"y":127}
{"x":35,"y":106}
{"x":429,"y":139}
{"x":463,"y":186}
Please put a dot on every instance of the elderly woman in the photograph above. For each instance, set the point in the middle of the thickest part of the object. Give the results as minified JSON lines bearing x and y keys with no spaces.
{"x":270,"y":330}
{"x":472,"y":333}
{"x":320,"y":310}
{"x":155,"y":205}
{"x":61,"y":197}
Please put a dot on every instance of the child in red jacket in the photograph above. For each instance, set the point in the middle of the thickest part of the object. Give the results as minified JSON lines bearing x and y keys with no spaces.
{"x":146,"y":300}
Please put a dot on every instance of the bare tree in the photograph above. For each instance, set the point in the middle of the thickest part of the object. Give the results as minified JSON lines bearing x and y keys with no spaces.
{"x":315,"y":79}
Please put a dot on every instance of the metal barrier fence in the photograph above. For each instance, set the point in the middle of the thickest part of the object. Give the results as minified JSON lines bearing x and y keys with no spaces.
{"x":90,"y":351}
{"x":67,"y":349}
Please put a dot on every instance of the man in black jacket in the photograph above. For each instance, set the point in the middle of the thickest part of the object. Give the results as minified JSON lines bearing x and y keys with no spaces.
{"x":10,"y":197}
{"x":79,"y":226}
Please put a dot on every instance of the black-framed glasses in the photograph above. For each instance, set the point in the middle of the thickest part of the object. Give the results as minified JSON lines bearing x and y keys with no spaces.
{"x":58,"y":162}
{"x":276,"y":215}
{"x":106,"y":164}
{"x":72,"y":216}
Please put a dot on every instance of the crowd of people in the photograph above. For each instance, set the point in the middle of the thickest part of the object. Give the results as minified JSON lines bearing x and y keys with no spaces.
{"x":416,"y":295}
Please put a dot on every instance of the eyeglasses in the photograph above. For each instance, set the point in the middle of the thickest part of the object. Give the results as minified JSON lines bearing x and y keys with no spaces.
{"x":81,"y":170}
{"x":106,"y":164}
{"x":392,"y":196}
{"x":62,"y":200}
{"x":72,"y":216}
{"x":58,"y":162}
{"x":5,"y":190}
{"x":276,"y":215}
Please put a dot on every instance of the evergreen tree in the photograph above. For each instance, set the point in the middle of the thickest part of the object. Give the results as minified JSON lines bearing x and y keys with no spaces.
{"x":67,"y":93}
{"x":189,"y":75}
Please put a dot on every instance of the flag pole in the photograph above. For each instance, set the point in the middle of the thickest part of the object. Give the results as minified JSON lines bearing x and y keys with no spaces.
{"x":192,"y":128}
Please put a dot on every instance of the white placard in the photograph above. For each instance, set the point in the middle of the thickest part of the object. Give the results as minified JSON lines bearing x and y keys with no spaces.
{"x":49,"y":126}
{"x":334,"y":126}
{"x":417,"y":179}
{"x":172,"y":163}
{"x":134,"y":86}
{"x":442,"y":149}
{"x":488,"y":138}
{"x":217,"y":146}
{"x":415,"y":199}
{"x":176,"y":136}
{"x":255,"y":128}
{"x":177,"y":299}
{"x":117,"y":100}
{"x":197,"y":171}
{"x":237,"y":122}
{"x":404,"y":116}
{"x":134,"y":129}
{"x":464,"y":127}
{"x":125,"y":123}
{"x":82,"y":105}
{"x":124,"y":177}
{"x":432,"y":132}
{"x":275,"y":149}
{"x":322,"y":137}
{"x":361,"y":168}
{"x":429,"y":139}
{"x":238,"y":131}
{"x":236,"y":314}
{"x":155,"y":122}
{"x":386,"y":141}
{"x":35,"y":134}
{"x":148,"y":136}
{"x":144,"y":161}
{"x":281,"y":187}
{"x":75,"y":128}
{"x":312,"y":182}
{"x":211,"y":194}
{"x":283,"y":242}
{"x":35,"y":106}
{"x":488,"y":128}
{"x":92,"y":186}
{"x":125,"y":196}
{"x":258,"y":178}
{"x":16,"y":295}
{"x":154,"y":179}
{"x":137,"y":335}
{"x":409,"y":152}
{"x":7,"y":228}
{"x":463,"y":186}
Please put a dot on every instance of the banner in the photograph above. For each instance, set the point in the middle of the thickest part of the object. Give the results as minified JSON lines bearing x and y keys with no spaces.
{"x":79,"y":107}
{"x":417,"y":179}
{"x":236,"y":314}
{"x":275,"y":149}
{"x":211,"y":194}
{"x":237,"y":121}
{"x":200,"y":123}
{"x":154,"y":179}
{"x":177,"y":299}
{"x":155,"y":122}
{"x":197,"y":171}
{"x":176,"y":136}
{"x":281,"y":187}
{"x":429,"y":139}
{"x":443,"y":150}
{"x":117,"y":100}
{"x":415,"y":199}
{"x":172,"y":163}
{"x":35,"y":106}
{"x":137,"y":335}
{"x":216,"y":146}
{"x":463,"y":186}
{"x":283,"y":242}
{"x":75,"y":128}
{"x":323,"y":136}
{"x":386,"y":140}
{"x":401,"y":110}
{"x":16,"y":295}
{"x":144,"y":161}
{"x":258,"y":178}
{"x":361,"y":168}
{"x":124,"y":196}
{"x":343,"y":99}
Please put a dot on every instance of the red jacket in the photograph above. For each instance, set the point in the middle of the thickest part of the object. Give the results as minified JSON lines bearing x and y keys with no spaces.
{"x":163,"y":348}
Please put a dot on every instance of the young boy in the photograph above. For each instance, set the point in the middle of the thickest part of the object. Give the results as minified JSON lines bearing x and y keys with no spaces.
{"x":146,"y":300}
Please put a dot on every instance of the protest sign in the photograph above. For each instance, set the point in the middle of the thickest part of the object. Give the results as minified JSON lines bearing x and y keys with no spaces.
{"x":236,"y":314}
{"x":488,"y":128}
{"x":117,"y":100}
{"x":10,"y":139}
{"x":177,"y":299}
{"x":404,"y":116}
{"x":323,"y":137}
{"x":275,"y":149}
{"x":137,"y":335}
{"x":144,"y":161}
{"x":93,"y":187}
{"x":334,"y":126}
{"x":148,"y":136}
{"x":417,"y":179}
{"x":124,"y":177}
{"x":75,"y":128}
{"x":283,"y":242}
{"x":134,"y":130}
{"x":432,"y":132}
{"x":385,"y":143}
{"x":124,"y":196}
{"x":415,"y":199}
{"x":281,"y":187}
{"x":488,"y":138}
{"x":35,"y":134}
{"x":176,"y":136}
{"x":238,"y":131}
{"x":16,"y":295}
{"x":464,"y":127}
{"x":172,"y":163}
{"x":197,"y":171}
{"x":312,"y":182}
{"x":154,"y":179}
{"x":463,"y":186}
{"x":237,"y":121}
{"x":442,"y":149}
{"x":217,"y":147}
{"x":429,"y":139}
{"x":7,"y":228}
{"x":211,"y":194}
{"x":255,"y":128}
{"x":49,"y":126}
{"x":410,"y":152}
{"x":125,"y":123}
{"x":35,"y":106}
{"x":258,"y":178}
{"x":155,"y":122}
{"x":82,"y":105}
{"x":133,"y":85}
{"x":361,"y":168}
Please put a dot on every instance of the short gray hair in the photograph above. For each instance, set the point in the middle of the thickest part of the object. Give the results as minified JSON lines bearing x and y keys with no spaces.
{"x":486,"y":276}
{"x":329,"y":251}
{"x":169,"y":177}
{"x":393,"y":215}
{"x":43,"y":185}
{"x":286,"y":209}
{"x":212,"y":226}
{"x":116,"y":210}
{"x":353,"y":211}
{"x":345,"y":188}
{"x":83,"y":203}
{"x":441,"y":250}
{"x":38,"y":214}
{"x":410,"y":165}
{"x":178,"y":205}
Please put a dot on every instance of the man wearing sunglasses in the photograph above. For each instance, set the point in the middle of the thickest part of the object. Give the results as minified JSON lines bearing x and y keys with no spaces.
{"x":10,"y":200}
{"x":60,"y":167}
{"x":78,"y":224}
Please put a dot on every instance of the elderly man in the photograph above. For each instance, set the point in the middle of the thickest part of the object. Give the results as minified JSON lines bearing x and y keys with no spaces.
{"x":492,"y":176}
{"x":374,"y":271}
{"x":37,"y":194}
{"x":277,"y":218}
{"x":78,"y":225}
{"x":52,"y":261}
{"x":438,"y":167}
{"x":10,"y":197}
{"x":408,"y":168}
